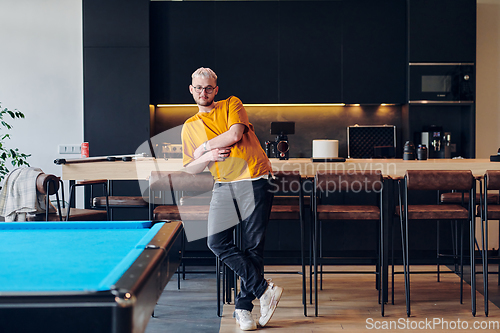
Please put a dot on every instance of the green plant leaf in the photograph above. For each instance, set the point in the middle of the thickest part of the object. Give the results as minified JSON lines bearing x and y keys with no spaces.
{"x":12,"y":155}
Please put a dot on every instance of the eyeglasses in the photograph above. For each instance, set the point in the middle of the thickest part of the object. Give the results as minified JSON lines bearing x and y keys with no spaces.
{"x":208,"y":89}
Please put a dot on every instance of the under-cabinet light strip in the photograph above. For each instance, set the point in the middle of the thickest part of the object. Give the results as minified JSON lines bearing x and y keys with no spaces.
{"x":278,"y":105}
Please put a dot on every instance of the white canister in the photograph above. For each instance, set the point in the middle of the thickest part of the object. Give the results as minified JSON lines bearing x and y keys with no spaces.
{"x":325,"y":148}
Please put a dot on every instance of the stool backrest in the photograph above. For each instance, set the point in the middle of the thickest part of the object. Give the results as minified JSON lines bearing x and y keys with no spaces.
{"x":180,"y":181}
{"x":287,"y":182}
{"x":349,"y":181}
{"x":43,"y":179}
{"x":445,"y":180}
{"x":493,"y":179}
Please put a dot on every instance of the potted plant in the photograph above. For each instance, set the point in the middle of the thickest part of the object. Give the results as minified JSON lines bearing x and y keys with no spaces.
{"x":12,"y":155}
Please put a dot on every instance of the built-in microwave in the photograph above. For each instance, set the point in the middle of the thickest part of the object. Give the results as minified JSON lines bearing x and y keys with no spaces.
{"x":441,"y":83}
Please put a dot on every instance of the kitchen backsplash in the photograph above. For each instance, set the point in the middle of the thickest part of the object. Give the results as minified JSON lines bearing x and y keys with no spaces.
{"x":311,"y":122}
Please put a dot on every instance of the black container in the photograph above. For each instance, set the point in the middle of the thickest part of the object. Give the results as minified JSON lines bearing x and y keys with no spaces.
{"x":421,"y":152}
{"x":409,"y":151}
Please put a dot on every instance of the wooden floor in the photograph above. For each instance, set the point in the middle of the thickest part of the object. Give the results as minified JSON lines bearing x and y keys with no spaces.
{"x":349,"y":303}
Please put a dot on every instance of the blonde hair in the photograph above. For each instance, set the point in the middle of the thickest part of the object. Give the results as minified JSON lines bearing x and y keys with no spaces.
{"x":204,"y":73}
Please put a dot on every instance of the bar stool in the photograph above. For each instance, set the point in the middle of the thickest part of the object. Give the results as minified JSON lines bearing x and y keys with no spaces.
{"x":288,"y":204}
{"x":118,"y":202}
{"x":437,"y":180}
{"x":460,"y":198}
{"x":49,"y":184}
{"x":344,"y":182}
{"x":178,"y":195}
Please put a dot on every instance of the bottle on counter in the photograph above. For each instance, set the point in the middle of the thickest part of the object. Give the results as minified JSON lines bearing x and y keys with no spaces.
{"x":409,"y":151}
{"x":421,"y":152}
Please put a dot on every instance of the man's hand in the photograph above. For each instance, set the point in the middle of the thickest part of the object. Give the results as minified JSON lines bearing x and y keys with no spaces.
{"x":224,"y":152}
{"x":224,"y":140}
{"x":214,"y":155}
{"x":219,"y":154}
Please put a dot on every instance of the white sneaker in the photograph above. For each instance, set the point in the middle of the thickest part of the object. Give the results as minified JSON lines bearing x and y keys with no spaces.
{"x":268,"y":302}
{"x":245,"y":320}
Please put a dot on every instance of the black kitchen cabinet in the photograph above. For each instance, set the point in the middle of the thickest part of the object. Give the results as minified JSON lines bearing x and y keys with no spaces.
{"x":310,"y":52}
{"x":182,"y":37}
{"x":115,"y":23}
{"x":247,"y":47}
{"x":238,"y":40}
{"x":374,"y":52}
{"x":442,"y":30}
{"x":114,"y":123}
{"x":116,"y":75}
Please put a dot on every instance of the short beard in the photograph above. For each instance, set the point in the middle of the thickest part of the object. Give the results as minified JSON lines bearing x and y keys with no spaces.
{"x":203,"y":102}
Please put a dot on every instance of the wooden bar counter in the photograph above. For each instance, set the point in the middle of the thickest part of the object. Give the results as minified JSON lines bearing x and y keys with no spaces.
{"x":141,"y":168}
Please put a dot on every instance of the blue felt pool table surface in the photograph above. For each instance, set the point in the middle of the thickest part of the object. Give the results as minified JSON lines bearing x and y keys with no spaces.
{"x":79,"y":256}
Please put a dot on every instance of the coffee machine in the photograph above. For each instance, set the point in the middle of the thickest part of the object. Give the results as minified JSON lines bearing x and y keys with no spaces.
{"x":437,"y":141}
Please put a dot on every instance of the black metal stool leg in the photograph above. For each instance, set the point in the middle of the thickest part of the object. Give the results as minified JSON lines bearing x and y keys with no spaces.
{"x":485,"y":259}
{"x":217,"y":277}
{"x":383,"y":264}
{"x":302,"y":257}
{"x":473,"y":265}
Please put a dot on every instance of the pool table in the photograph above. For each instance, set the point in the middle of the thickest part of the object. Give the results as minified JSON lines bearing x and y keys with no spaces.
{"x":84,"y":276}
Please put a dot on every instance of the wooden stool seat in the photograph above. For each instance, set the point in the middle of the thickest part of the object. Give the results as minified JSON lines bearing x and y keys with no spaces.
{"x":283,"y":212}
{"x":348,"y":212}
{"x":120,"y":201}
{"x":456,"y":197}
{"x":190,"y":213}
{"x":493,"y":212}
{"x":76,"y":214}
{"x":436,"y":212}
{"x":198,"y":200}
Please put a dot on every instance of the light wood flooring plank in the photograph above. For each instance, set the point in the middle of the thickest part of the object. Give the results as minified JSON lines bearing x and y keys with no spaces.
{"x":349,"y":303}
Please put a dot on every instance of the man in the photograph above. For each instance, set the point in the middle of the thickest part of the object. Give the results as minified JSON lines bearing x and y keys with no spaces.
{"x":220,"y":136}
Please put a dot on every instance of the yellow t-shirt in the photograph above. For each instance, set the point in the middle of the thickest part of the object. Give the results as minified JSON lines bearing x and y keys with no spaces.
{"x":247,"y":159}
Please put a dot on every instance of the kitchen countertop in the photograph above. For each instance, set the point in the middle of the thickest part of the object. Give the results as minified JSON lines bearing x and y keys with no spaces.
{"x":141,"y":168}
